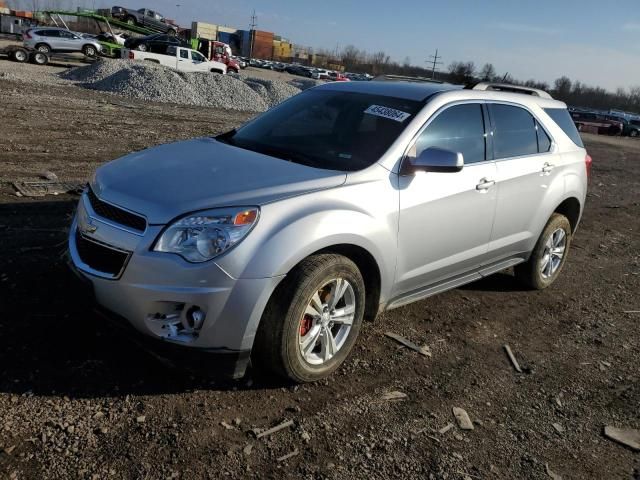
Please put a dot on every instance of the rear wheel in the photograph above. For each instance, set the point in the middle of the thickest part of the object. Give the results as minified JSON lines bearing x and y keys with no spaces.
{"x":171,"y":32}
{"x":142,"y":47}
{"x":131,"y":20}
{"x":549,"y":255}
{"x":43,"y":47}
{"x":313,"y":319}
{"x":40,"y":58}
{"x":633,"y":133}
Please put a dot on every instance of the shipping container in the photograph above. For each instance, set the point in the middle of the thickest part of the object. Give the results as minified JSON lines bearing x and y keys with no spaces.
{"x":204,"y":30}
{"x":225,"y":29}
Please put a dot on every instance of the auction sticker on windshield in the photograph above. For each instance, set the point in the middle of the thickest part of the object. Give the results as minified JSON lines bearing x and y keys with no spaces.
{"x":386,"y":112}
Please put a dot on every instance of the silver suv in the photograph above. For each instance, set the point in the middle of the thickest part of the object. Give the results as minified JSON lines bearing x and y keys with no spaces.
{"x":274,"y":241}
{"x":52,"y":39}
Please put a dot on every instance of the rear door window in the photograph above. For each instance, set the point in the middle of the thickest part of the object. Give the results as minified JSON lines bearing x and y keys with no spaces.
{"x":459,"y":129}
{"x":184,"y":54}
{"x":514,"y":132}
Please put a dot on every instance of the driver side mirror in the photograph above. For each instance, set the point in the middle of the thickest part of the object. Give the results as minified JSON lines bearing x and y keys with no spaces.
{"x":434,"y":159}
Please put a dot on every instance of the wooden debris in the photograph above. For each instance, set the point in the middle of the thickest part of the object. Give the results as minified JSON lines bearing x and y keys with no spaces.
{"x":446,"y":428}
{"x":393,"y":397}
{"x":625,"y":436}
{"x":277,"y":428}
{"x":424,"y":350}
{"x":512,"y":357}
{"x":288,"y":456}
{"x":462,"y":417}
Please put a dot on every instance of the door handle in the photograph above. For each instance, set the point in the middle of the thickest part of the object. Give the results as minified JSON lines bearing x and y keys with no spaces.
{"x":485,"y":184}
{"x":547,"y":167}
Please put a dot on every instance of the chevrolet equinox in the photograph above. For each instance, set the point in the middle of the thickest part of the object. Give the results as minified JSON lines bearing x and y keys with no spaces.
{"x":271,"y":243}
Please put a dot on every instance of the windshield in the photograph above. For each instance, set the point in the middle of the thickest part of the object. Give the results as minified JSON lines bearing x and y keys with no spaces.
{"x":328,"y":129}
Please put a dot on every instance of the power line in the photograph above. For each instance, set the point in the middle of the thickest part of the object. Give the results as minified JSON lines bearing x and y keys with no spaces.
{"x":433,"y":60}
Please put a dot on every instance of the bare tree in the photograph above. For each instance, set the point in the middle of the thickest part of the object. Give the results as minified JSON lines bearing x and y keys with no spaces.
{"x":487,"y":73}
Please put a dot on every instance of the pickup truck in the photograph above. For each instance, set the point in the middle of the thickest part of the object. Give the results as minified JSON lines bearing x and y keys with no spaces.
{"x":183,"y":59}
{"x":144,"y":18}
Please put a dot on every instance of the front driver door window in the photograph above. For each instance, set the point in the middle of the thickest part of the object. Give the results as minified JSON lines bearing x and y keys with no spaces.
{"x":445,"y":219}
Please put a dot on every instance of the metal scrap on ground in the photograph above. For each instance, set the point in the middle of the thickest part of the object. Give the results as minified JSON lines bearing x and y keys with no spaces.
{"x":288,"y":456}
{"x":424,"y":350}
{"x":552,"y":474}
{"x":626,"y":436}
{"x":40,"y":189}
{"x":277,"y":428}
{"x":512,"y":357}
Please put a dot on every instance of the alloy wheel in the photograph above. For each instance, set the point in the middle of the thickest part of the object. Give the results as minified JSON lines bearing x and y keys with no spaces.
{"x":327,"y":321}
{"x":554,"y":251}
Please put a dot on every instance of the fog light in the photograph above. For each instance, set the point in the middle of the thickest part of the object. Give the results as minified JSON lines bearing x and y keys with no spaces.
{"x":195,"y":318}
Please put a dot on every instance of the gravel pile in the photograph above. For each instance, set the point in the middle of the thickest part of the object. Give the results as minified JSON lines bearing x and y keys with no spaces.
{"x":157,"y":83}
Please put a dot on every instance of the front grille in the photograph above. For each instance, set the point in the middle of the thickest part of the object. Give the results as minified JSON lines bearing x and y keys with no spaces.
{"x":100,"y":257}
{"x":115,"y":214}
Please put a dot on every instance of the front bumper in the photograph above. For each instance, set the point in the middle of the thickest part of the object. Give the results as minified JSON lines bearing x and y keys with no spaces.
{"x":156,"y":292}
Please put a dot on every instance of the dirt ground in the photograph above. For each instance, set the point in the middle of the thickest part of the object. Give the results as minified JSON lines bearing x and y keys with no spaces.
{"x":78,"y":400}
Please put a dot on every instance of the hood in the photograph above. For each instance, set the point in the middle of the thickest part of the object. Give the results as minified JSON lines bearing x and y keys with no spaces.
{"x":171,"y":180}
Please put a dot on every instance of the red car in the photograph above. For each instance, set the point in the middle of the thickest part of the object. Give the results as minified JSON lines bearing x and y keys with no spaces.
{"x":338,"y":77}
{"x":590,"y":122}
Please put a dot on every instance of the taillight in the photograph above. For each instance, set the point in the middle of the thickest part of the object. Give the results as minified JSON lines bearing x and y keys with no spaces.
{"x":131,"y":55}
{"x":587,"y":163}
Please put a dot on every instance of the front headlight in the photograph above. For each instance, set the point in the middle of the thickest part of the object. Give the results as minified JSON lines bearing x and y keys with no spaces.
{"x":201,"y":236}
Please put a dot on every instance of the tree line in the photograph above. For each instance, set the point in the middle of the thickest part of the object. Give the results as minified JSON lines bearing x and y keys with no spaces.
{"x":574,"y":93}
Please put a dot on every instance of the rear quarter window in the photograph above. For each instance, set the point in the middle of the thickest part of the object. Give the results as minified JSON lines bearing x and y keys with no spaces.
{"x":565,"y":122}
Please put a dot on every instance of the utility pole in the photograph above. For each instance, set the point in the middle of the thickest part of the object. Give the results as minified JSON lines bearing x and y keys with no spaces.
{"x":252,"y":33}
{"x":433,"y":60}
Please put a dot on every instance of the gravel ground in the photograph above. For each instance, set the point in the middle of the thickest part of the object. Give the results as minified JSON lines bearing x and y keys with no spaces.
{"x":77,"y":400}
{"x":157,"y":83}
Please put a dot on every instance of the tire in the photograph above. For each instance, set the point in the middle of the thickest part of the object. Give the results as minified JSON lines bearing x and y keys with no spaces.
{"x":39,"y":58}
{"x":633,"y":133}
{"x":131,"y":20}
{"x":89,"y":51}
{"x":533,"y":273}
{"x":142,"y":47}
{"x":171,"y":32}
{"x":20,"y":55}
{"x":43,"y":47}
{"x":290,"y":320}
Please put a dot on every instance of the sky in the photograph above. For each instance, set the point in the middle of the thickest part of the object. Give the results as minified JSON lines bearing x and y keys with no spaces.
{"x":594,"y":41}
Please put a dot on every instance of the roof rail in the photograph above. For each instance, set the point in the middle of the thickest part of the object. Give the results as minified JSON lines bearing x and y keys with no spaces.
{"x":506,"y":87}
{"x":404,"y":78}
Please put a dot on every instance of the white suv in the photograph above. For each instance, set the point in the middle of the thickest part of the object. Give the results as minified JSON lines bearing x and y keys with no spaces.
{"x":274,"y":241}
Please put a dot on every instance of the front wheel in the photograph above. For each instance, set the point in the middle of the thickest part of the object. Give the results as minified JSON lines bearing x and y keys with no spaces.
{"x":549,"y":255}
{"x":633,"y":133}
{"x":44,"y":48}
{"x":142,"y":47}
{"x":89,"y":51}
{"x":313,"y":319}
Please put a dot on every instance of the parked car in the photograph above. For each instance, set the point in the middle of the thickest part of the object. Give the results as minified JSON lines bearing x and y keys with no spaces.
{"x":183,"y":59}
{"x":276,"y":240}
{"x":629,"y":129}
{"x":338,"y":77}
{"x":242,"y":63}
{"x":156,"y":43}
{"x":144,"y":17}
{"x":54,"y":39}
{"x":596,"y":123}
{"x":320,"y":74}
